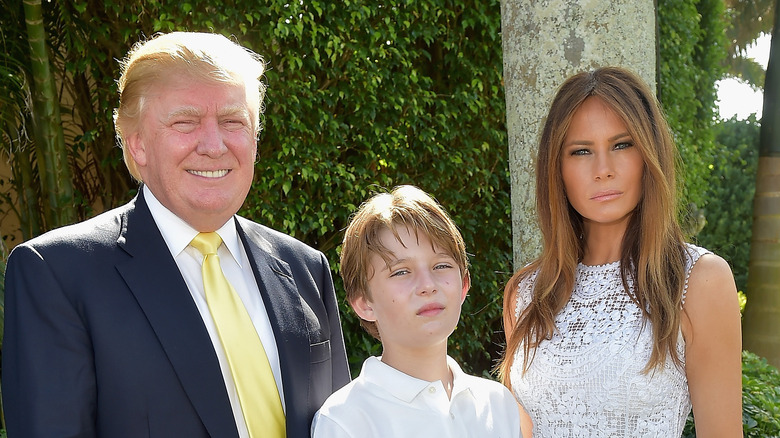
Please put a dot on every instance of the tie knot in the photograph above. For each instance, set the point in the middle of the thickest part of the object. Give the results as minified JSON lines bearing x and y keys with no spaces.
{"x":206,"y":243}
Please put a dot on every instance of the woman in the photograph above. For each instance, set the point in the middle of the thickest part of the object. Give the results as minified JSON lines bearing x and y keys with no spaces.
{"x":619,"y":327}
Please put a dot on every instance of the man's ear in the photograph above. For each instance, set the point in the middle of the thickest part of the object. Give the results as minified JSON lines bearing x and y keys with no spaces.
{"x":363,"y":308}
{"x":466,"y":287}
{"x":136,"y":148}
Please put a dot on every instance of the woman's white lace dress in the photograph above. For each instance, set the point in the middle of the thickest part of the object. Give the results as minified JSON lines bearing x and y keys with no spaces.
{"x":587,"y":381}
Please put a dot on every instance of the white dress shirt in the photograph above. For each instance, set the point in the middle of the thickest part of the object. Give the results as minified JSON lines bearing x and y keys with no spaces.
{"x":235,"y":265}
{"x":384,"y":402}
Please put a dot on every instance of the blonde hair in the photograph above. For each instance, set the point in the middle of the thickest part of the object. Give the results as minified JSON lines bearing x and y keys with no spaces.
{"x":208,"y":57}
{"x":653,"y":249}
{"x":405,"y":206}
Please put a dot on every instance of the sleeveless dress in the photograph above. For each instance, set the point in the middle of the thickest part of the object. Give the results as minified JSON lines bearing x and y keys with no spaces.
{"x":587,"y":380}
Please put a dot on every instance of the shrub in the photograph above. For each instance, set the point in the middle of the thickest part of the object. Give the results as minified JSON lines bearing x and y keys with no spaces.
{"x":729,"y":210}
{"x":363,"y":98}
{"x":760,"y":399}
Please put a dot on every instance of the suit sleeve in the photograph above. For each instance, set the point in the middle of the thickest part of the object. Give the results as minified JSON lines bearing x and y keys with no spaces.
{"x":48,"y":368}
{"x":341,"y":375}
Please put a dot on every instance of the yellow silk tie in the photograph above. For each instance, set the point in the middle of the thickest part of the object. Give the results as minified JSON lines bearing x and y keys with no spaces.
{"x":255,"y":384}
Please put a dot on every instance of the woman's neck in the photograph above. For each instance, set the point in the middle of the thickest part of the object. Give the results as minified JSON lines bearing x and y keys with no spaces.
{"x":603,"y":243}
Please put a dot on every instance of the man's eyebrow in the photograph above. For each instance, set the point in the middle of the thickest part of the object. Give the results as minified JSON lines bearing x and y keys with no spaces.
{"x":232,"y":110}
{"x":184,"y":111}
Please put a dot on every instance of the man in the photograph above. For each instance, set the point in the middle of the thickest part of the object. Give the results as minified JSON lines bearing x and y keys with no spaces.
{"x":111,"y":329}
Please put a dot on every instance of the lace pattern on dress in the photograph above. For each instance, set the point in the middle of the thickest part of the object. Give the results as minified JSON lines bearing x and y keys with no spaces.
{"x":587,"y":380}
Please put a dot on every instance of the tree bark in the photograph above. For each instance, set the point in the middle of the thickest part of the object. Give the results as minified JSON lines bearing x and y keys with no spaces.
{"x":545,"y":42}
{"x":762,"y":312}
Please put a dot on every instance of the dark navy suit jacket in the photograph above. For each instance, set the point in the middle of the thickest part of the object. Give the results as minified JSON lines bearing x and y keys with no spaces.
{"x":102,"y":337}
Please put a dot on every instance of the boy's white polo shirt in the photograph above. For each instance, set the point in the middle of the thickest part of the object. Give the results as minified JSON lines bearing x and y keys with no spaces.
{"x":384,"y":402}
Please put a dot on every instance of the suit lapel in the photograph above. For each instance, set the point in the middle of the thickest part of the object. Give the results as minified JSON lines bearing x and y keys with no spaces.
{"x":153,"y":277}
{"x":285,"y":313}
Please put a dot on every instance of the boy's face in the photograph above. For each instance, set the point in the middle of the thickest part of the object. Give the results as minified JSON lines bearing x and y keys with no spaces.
{"x":416,"y":300}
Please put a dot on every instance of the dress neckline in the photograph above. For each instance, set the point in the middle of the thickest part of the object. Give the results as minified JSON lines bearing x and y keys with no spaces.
{"x":596,"y":268}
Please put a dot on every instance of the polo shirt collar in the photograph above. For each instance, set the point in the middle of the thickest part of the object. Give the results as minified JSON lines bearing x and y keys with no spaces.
{"x":405,"y":387}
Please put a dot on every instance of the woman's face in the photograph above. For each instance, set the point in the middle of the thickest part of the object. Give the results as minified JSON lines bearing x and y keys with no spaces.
{"x":601,"y":166}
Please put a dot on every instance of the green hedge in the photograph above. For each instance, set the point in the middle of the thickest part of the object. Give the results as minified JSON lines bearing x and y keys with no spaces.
{"x":692,"y":47}
{"x":760,"y":399}
{"x":361,"y":96}
{"x":729,"y":209}
{"x":364,"y":96}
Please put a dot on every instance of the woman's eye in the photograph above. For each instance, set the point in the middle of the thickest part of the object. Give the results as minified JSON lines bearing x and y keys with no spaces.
{"x":580,"y":152}
{"x":624,"y":145}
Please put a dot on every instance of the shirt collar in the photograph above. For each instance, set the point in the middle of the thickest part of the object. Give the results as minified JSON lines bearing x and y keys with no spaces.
{"x":178,"y":234}
{"x":405,"y":387}
{"x":460,"y":380}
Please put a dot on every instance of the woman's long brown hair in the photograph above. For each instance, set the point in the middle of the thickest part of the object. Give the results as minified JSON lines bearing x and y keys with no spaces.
{"x":653,"y":249}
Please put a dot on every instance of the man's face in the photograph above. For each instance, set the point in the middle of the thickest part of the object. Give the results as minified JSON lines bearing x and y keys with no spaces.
{"x":195,"y":149}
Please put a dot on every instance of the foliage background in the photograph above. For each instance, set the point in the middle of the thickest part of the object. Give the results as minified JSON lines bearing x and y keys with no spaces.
{"x":406,"y":94}
{"x":729,"y":210}
{"x":760,"y":399}
{"x":692,"y":49}
{"x":362,"y":96}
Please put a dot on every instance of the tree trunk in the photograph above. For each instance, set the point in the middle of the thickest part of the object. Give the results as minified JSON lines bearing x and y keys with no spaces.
{"x":52,"y":158}
{"x":545,"y":42}
{"x":762,"y":313}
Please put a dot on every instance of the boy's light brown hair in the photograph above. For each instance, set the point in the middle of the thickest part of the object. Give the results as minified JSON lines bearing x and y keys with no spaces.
{"x":405,"y":206}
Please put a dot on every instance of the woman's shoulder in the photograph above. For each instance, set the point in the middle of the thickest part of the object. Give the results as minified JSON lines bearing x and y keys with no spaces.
{"x":709,"y":268}
{"x":699,"y":258}
{"x":707,"y":274}
{"x":693,"y":253}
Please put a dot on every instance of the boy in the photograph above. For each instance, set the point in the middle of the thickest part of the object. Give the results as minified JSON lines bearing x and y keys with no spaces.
{"x":405,"y":271}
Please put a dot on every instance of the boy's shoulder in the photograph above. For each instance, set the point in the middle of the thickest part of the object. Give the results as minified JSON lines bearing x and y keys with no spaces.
{"x":477,"y":385}
{"x":359,"y":408}
{"x":371,"y":404}
{"x":380,"y":381}
{"x":357,"y":391}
